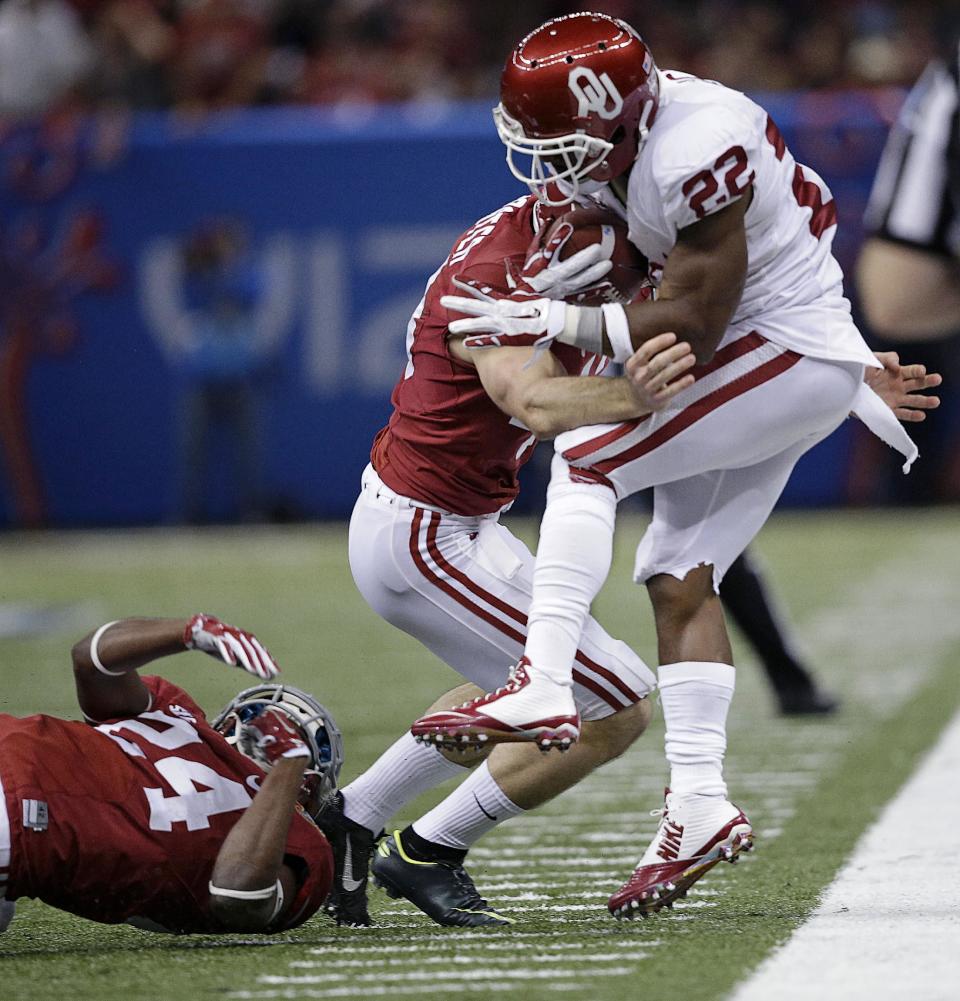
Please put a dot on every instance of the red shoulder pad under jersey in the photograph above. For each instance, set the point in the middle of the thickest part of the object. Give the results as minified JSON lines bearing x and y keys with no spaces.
{"x":447,"y":442}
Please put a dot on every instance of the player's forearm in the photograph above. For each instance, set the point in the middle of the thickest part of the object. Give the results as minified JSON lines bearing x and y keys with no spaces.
{"x":105,"y":663}
{"x":130,"y":644}
{"x":618,"y":331}
{"x":701,"y":327}
{"x":552,"y":406}
{"x":252,"y":853}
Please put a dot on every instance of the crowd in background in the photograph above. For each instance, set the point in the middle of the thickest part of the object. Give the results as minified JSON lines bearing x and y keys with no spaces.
{"x":207,"y":54}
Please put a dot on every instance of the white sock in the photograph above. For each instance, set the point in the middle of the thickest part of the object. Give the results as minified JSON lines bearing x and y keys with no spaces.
{"x":400,"y":774}
{"x":573,"y":560}
{"x":695,"y":697}
{"x":476,"y":806}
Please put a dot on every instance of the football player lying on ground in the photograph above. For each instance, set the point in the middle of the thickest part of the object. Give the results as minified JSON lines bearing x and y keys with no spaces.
{"x":148,"y":814}
{"x":429,"y":555}
{"x":742,"y":235}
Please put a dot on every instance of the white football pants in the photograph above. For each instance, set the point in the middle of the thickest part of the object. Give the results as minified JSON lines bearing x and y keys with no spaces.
{"x":462,"y":586}
{"x":719,"y":455}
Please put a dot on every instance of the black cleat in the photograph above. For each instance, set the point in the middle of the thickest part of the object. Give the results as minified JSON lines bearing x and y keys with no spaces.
{"x":352,"y":846}
{"x":442,"y":890}
{"x":806,"y":701}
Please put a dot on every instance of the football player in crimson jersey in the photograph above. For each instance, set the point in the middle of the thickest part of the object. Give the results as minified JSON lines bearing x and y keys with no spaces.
{"x":147,"y":814}
{"x":429,"y":555}
{"x":738,"y":235}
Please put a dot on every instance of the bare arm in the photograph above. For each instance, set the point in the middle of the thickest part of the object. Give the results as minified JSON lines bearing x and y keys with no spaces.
{"x":251,"y":857}
{"x":122,"y":648}
{"x":105,"y":661}
{"x":702,"y":284}
{"x":907,"y":293}
{"x":536,"y":390}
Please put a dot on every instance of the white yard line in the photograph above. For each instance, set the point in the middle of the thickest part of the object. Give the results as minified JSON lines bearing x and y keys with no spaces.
{"x":889,"y":926}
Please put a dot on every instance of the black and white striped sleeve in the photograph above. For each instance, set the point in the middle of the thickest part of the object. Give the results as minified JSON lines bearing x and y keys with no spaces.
{"x":914,"y":200}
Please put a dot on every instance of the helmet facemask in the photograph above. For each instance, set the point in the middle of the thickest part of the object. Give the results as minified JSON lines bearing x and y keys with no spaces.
{"x":313,"y":722}
{"x":577,"y":152}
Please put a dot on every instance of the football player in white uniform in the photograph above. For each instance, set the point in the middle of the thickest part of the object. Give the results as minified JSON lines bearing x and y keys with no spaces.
{"x":738,"y":235}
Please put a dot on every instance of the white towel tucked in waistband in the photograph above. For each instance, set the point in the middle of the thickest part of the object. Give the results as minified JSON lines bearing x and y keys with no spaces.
{"x":883,"y":423}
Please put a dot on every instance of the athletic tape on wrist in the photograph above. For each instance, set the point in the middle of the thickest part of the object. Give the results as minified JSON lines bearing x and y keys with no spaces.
{"x":95,"y":652}
{"x":618,"y":331}
{"x":583,"y":328}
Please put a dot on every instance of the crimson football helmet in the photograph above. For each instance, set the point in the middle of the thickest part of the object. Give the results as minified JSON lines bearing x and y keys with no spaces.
{"x":578,"y":95}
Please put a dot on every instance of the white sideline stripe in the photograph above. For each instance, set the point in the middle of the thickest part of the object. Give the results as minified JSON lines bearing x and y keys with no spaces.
{"x":889,"y":924}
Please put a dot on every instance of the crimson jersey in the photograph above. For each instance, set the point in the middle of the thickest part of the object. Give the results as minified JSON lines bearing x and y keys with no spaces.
{"x":123,"y":820}
{"x":447,"y":443}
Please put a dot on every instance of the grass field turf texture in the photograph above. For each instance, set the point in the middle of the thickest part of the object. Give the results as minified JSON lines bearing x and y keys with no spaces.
{"x":873,"y":597}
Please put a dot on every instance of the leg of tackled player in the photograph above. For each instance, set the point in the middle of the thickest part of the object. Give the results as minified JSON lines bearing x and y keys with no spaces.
{"x":699,"y":826}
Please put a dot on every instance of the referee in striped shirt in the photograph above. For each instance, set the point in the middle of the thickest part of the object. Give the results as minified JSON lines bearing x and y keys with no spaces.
{"x":909,"y":269}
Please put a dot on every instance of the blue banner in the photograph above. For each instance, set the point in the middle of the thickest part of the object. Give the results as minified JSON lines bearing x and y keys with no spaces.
{"x":203,"y":319}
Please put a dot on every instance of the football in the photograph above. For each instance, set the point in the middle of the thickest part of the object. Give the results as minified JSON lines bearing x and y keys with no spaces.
{"x":628,"y":278}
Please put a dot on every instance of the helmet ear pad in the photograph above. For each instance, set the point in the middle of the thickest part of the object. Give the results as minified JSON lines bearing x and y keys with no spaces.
{"x":626,"y":145}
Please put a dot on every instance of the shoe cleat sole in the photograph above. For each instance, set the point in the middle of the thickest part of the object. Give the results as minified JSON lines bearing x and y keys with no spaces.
{"x":475,"y":739}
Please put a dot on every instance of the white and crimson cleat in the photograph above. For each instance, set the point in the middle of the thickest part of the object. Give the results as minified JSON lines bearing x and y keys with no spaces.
{"x":526,"y":708}
{"x":695,"y":833}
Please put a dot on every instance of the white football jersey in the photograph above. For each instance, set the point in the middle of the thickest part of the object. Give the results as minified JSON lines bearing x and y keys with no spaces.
{"x":707,"y":146}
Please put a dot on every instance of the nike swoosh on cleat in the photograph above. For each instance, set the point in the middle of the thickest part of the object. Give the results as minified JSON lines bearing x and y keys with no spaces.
{"x":488,"y":815}
{"x":348,"y":882}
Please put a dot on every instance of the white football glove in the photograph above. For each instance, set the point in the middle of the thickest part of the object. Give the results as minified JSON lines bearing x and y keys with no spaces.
{"x":546,"y":274}
{"x":233,"y":646}
{"x":493,"y":323}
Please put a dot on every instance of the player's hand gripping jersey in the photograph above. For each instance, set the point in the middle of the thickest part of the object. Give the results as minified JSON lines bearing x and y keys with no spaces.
{"x":447,"y":443}
{"x":140,"y":806}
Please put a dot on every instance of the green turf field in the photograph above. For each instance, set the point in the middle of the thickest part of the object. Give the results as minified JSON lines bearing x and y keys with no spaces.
{"x":874,"y":599}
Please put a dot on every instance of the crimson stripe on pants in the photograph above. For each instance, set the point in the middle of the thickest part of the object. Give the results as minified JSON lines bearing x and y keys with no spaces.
{"x":515,"y":613}
{"x":730,"y":352}
{"x":698,"y":410}
{"x":489,"y":618}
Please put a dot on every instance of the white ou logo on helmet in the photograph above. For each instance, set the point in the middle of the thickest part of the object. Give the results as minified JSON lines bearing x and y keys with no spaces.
{"x":597,"y":94}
